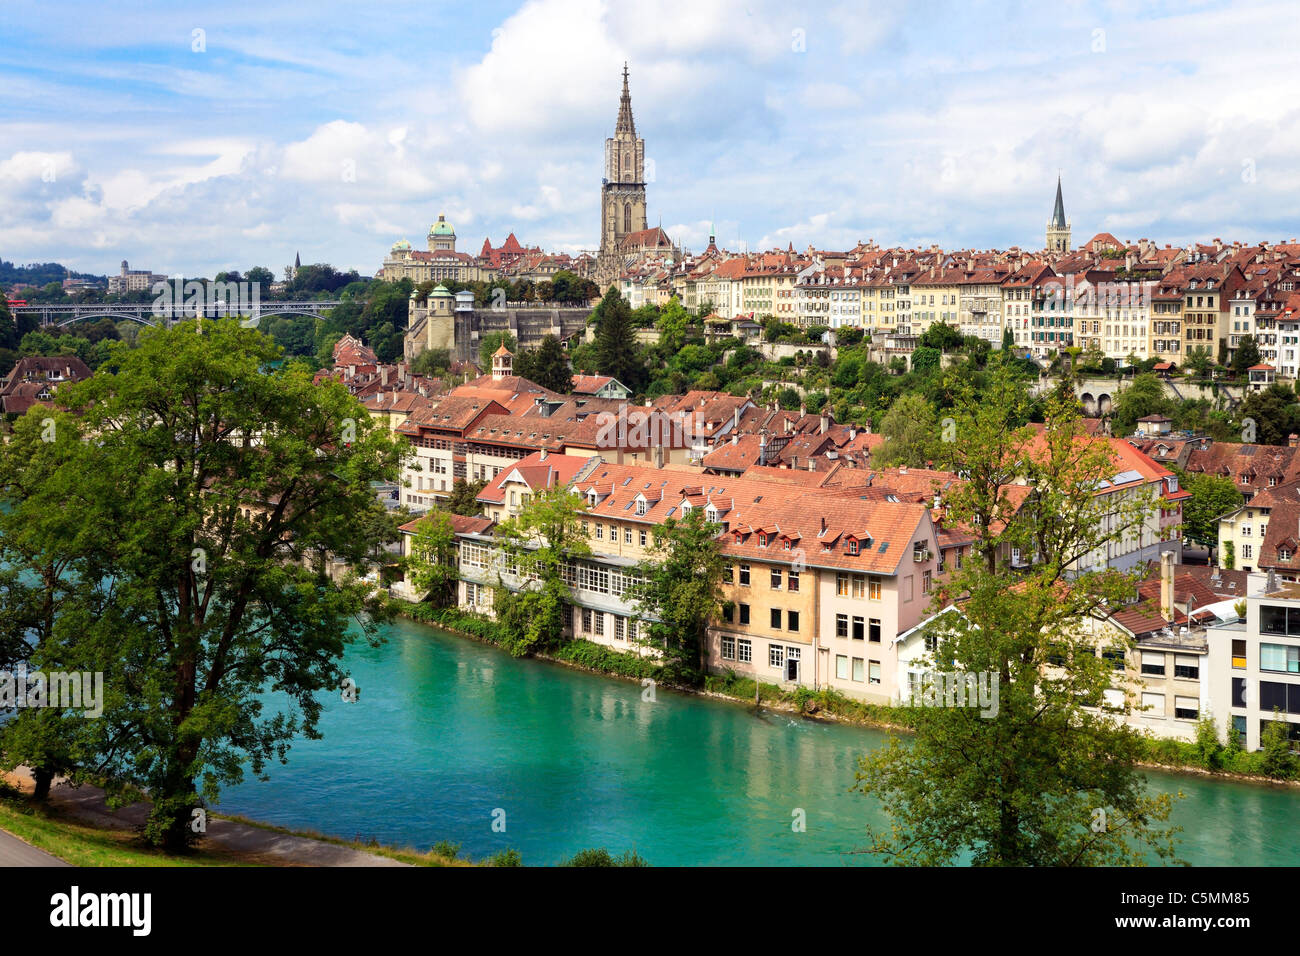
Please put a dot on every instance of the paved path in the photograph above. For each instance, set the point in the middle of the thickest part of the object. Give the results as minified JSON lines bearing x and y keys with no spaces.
{"x":87,"y":804}
{"x":14,"y":852}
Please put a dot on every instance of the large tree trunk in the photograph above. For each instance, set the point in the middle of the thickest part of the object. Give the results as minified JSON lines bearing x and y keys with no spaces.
{"x":44,"y":777}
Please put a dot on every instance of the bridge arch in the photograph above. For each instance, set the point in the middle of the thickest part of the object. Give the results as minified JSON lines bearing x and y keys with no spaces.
{"x":1089,"y":403}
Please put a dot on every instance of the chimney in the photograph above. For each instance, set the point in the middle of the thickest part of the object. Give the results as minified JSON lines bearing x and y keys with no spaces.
{"x":542,"y":456}
{"x":826,"y":424}
{"x":1293,"y":440}
{"x":735,"y":417}
{"x":383,"y":375}
{"x":1167,"y":585}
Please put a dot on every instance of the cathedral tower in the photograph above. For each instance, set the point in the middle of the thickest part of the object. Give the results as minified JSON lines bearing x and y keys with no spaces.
{"x":622,"y":191}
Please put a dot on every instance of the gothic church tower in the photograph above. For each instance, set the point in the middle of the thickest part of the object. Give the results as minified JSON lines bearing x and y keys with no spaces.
{"x":1058,"y":229}
{"x":622,"y":191}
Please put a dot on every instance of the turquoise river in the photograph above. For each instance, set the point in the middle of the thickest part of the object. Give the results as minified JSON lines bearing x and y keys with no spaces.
{"x":446,"y":732}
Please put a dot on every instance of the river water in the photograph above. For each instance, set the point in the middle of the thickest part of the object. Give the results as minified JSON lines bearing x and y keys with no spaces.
{"x":449,"y":736}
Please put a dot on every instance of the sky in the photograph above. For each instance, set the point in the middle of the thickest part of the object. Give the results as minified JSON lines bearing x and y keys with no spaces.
{"x":194,"y":137}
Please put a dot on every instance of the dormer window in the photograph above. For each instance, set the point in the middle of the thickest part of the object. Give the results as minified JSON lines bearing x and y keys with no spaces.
{"x":853,"y":546}
{"x":1284,"y":554}
{"x":762,"y":540}
{"x":640,"y":505}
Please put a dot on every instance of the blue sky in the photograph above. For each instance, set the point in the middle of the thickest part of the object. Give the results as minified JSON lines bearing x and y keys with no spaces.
{"x":193,"y":137}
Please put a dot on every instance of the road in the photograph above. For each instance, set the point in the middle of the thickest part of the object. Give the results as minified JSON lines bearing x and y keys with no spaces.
{"x":14,"y":852}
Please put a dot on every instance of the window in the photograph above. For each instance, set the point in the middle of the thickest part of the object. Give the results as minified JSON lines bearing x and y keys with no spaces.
{"x":873,"y":631}
{"x":728,"y":648}
{"x":1239,"y":654}
{"x":859,"y":631}
{"x":859,"y":669}
{"x":1115,"y":659}
{"x":873,"y":589}
{"x":776,"y":617}
{"x":792,"y":581}
{"x":641,"y":538}
{"x":1153,"y":664}
{"x":1153,"y":704}
{"x":744,"y":575}
{"x":842,"y":585}
{"x":858,"y":585}
{"x":1186,"y":708}
{"x":744,"y":650}
{"x":1283,"y":658}
{"x":842,"y":666}
{"x":619,"y":627}
{"x":744,"y":614}
{"x":627,"y":535}
{"x":873,"y":672}
{"x":775,"y":655}
{"x":841,"y":625}
{"x":729,"y":574}
{"x":600,"y":532}
{"x":586,"y":620}
{"x":792,"y":620}
{"x":1187,"y":666}
{"x":1239,"y":692}
{"x":776,"y":579}
{"x":599,"y":620}
{"x":613,"y":532}
{"x":853,"y":547}
{"x":925,"y":582}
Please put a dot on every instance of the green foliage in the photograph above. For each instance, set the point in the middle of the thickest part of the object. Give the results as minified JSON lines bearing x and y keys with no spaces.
{"x":506,"y":858}
{"x":681,"y":586}
{"x":941,"y":336}
{"x":1021,"y":784}
{"x":602,"y":857}
{"x":547,"y":365}
{"x":1276,"y":759}
{"x":432,"y":363}
{"x":433,"y":558}
{"x":1274,"y":412}
{"x":1144,"y":396}
{"x":616,"y":352}
{"x":1212,"y":496}
{"x":911,"y":432}
{"x":197,"y":561}
{"x":1246,"y":355}
{"x":1209,"y":752}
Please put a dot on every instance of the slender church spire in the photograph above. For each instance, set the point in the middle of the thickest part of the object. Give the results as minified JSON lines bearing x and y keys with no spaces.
{"x":625,"y":123}
{"x":1058,"y":214}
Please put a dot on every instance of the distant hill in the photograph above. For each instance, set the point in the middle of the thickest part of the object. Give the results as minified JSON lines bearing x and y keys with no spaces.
{"x":40,"y":273}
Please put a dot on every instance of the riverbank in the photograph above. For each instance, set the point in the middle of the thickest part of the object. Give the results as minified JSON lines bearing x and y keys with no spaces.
{"x":1172,"y":756}
{"x":76,"y":825}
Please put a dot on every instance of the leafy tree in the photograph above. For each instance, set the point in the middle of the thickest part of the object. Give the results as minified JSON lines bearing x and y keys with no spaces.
{"x":925,"y":359}
{"x":547,"y":365}
{"x":616,"y":345}
{"x":1274,"y":412}
{"x":431,"y":362}
{"x":1276,"y":759}
{"x":911,"y":433}
{"x":1200,"y":360}
{"x":433,"y":559}
{"x":941,"y":336}
{"x":537,"y":543}
{"x":463,"y":499}
{"x":1209,"y":752}
{"x":1212,"y":496}
{"x":680,"y":589}
{"x":1144,"y":396}
{"x":1247,"y":354}
{"x":207,"y":506}
{"x":1022,"y":782}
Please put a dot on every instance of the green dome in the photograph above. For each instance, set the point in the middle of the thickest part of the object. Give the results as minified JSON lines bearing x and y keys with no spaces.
{"x":401,"y":244}
{"x":440,"y":290}
{"x":442,"y":228}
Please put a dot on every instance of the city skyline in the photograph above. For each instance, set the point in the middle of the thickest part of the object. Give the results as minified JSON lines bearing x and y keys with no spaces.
{"x":496,"y":120}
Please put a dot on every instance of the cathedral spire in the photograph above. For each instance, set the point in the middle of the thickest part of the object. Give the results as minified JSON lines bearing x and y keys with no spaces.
{"x":625,"y":123}
{"x":1058,"y":214}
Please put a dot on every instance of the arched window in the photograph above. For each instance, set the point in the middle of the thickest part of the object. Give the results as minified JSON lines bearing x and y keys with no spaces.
{"x":627,"y":217}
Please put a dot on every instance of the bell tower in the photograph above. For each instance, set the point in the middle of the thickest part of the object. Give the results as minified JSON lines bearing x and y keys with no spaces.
{"x":1058,"y":229}
{"x":622,"y":191}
